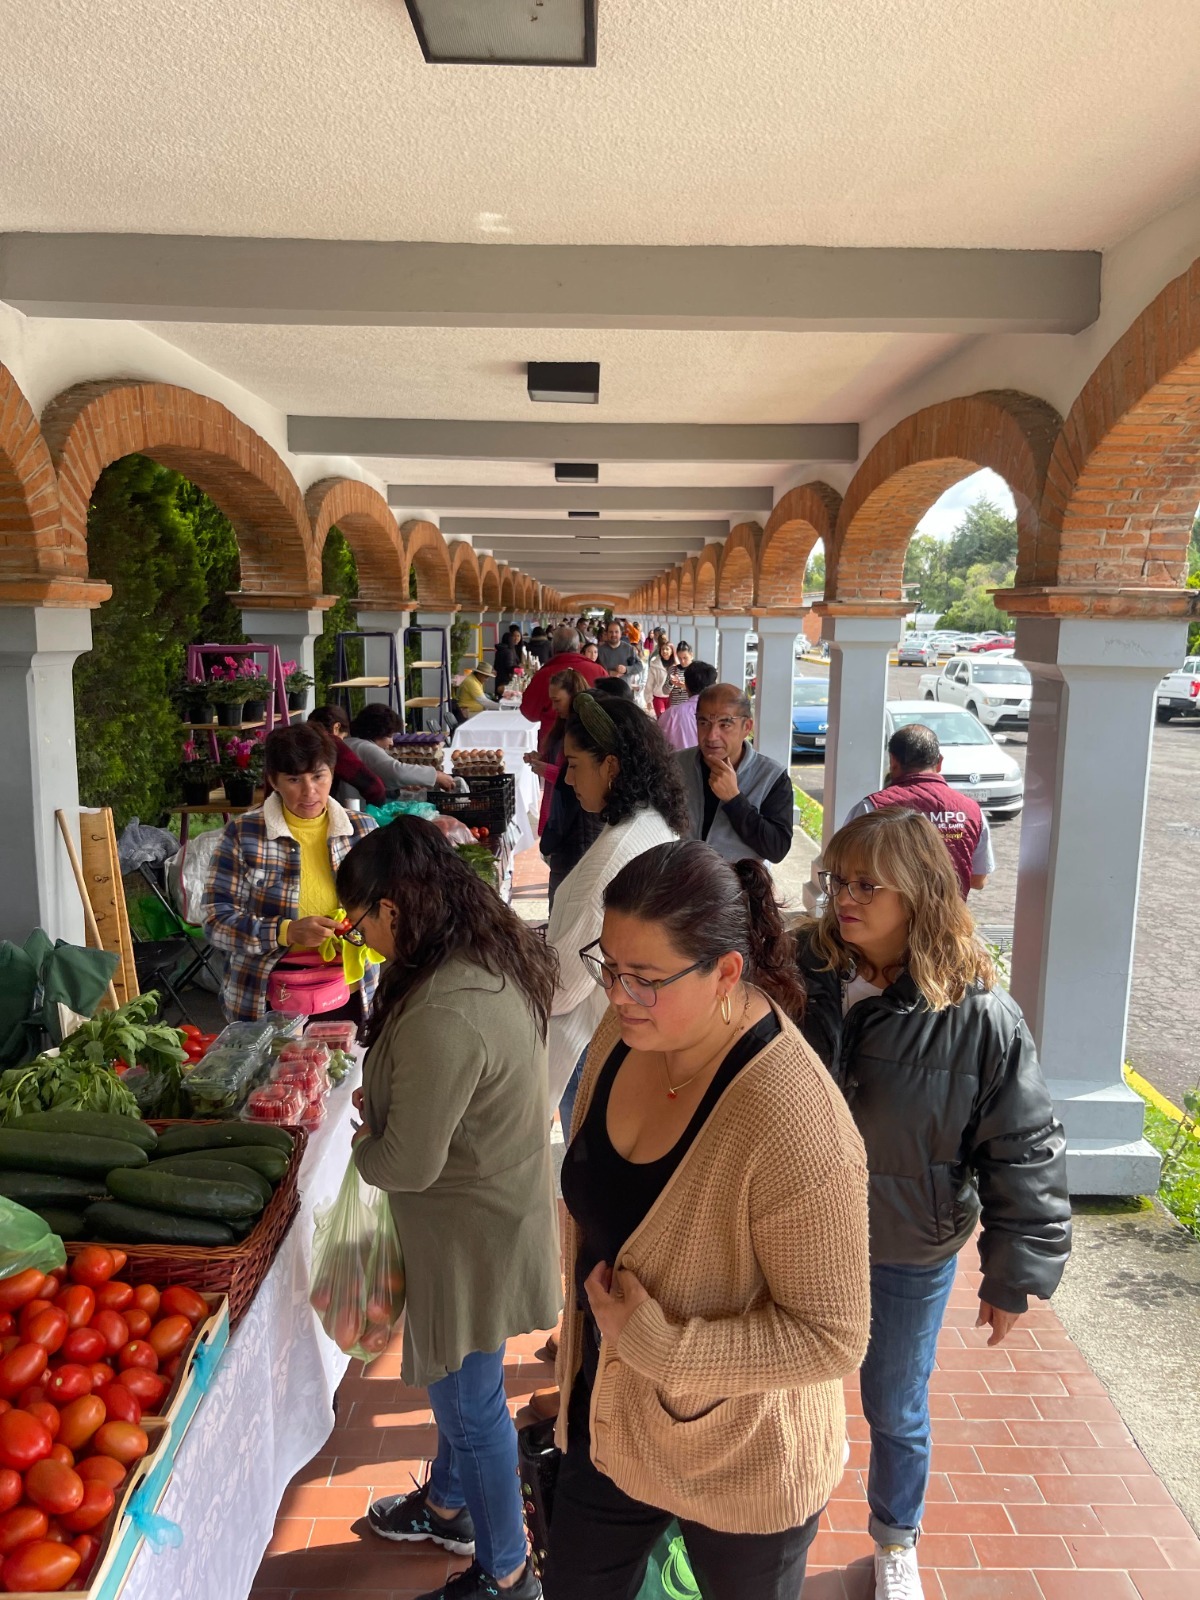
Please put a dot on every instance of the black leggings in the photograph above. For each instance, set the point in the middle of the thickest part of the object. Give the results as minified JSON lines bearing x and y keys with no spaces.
{"x":601,"y":1539}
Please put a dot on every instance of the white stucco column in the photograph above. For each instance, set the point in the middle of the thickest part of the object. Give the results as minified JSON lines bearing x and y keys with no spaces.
{"x":375,"y":651}
{"x":39,"y":646}
{"x":430,"y":650}
{"x":859,"y":647}
{"x":706,"y":637}
{"x":731,"y":655}
{"x":773,"y":696}
{"x":1086,"y":776}
{"x":295,"y":633}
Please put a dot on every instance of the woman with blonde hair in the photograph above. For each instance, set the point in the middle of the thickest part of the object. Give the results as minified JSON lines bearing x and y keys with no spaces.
{"x":942,"y":1078}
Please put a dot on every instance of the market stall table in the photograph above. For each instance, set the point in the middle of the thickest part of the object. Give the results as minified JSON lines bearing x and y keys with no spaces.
{"x":510,"y":732}
{"x":268,"y":1412}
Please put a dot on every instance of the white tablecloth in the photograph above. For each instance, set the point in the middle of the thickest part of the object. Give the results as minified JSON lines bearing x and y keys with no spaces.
{"x":270,"y":1409}
{"x":510,"y":732}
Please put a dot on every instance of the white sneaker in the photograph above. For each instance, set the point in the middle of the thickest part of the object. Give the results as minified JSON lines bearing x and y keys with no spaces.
{"x":896,"y":1575}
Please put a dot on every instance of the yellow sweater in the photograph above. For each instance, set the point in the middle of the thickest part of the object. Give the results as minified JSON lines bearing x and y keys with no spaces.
{"x":318,"y":891}
{"x":723,"y":1399}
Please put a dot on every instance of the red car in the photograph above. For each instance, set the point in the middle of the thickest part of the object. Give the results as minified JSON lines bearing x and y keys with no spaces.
{"x":1006,"y":642}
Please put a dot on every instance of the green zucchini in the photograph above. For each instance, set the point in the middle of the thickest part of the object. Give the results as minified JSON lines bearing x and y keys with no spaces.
{"x":264,"y":1159}
{"x":38,"y":1189}
{"x":123,"y":1224}
{"x":71,"y":1155}
{"x":217,"y":1135}
{"x":97,"y":1124}
{"x":202,"y":1165}
{"x":185,"y":1195}
{"x":65,"y":1223}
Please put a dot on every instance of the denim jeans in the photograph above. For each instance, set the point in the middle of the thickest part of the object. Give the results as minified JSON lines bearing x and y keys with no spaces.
{"x":476,"y":1463}
{"x":907,"y":1307}
{"x":566,"y":1106}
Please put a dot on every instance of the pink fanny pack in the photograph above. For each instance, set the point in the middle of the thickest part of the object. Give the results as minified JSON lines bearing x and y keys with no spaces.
{"x":307,"y":985}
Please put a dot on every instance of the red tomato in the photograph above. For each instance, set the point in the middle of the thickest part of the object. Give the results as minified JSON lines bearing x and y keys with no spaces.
{"x":57,"y":1533}
{"x":149,"y":1387}
{"x":21,"y":1367}
{"x":79,"y":1302}
{"x":190,"y":1029}
{"x":31,"y":1396}
{"x":20,"y":1525}
{"x":61,"y":1453}
{"x":94,"y":1265}
{"x":84,"y":1344}
{"x":51,"y":1284}
{"x":9,"y":1342}
{"x":47,"y":1415}
{"x":48,"y":1328}
{"x":168,"y":1337}
{"x":23,"y":1440}
{"x":102,"y":1372}
{"x":120,"y":1404}
{"x":7,"y":1325}
{"x":80,"y":1419}
{"x":114,"y":1328}
{"x":178,"y":1301}
{"x":5,"y":1405}
{"x":146,"y":1298}
{"x":170,"y":1367}
{"x":17,"y":1290}
{"x":137,"y":1353}
{"x":98,"y":1500}
{"x":30,"y":1310}
{"x":102,"y":1469}
{"x":68,"y":1382}
{"x":11,"y":1488}
{"x":55,"y":1488}
{"x":138,"y":1322}
{"x":114,"y":1296}
{"x":119,"y":1259}
{"x":88,"y":1548}
{"x":43,"y":1567}
{"x":124,"y":1441}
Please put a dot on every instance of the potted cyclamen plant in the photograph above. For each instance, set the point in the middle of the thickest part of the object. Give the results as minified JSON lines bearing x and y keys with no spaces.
{"x":298,"y":683}
{"x":256,"y":686}
{"x":241,"y":769}
{"x":228,"y":693}
{"x":197,"y":774}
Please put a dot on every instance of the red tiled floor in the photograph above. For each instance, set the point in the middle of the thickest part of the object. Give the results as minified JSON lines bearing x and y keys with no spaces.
{"x":1038,"y":1491}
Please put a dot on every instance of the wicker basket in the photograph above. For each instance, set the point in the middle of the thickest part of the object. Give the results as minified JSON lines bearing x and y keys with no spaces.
{"x":491,"y":804}
{"x":235,"y":1270}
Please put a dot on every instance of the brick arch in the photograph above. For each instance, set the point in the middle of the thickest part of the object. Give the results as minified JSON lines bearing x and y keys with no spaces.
{"x":507,"y":588}
{"x":489,"y":583}
{"x":92,"y":425}
{"x":804,"y":517}
{"x":673,"y":591}
{"x":30,"y":541}
{"x":425,"y":553}
{"x":363,"y":517}
{"x":1124,"y":479}
{"x":464,"y":575}
{"x":912,"y":467}
{"x":593,"y":597}
{"x":708,"y":567}
{"x":687,"y":586}
{"x":736,"y":585}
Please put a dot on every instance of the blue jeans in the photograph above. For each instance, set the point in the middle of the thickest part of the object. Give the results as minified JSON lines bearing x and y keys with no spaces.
{"x":566,"y":1106}
{"x":476,"y":1463}
{"x":907,"y":1307}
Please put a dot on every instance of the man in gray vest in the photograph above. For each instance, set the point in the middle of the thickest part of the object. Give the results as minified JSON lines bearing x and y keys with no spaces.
{"x":740,"y":801}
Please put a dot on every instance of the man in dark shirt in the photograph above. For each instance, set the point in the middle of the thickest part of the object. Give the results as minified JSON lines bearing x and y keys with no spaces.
{"x":507,"y":658}
{"x":617,"y":656}
{"x":740,"y":801}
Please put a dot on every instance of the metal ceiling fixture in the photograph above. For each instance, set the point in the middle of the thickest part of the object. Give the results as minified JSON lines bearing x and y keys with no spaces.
{"x":576,"y":472}
{"x":583,"y":513}
{"x":506,"y":33}
{"x":569,"y":382}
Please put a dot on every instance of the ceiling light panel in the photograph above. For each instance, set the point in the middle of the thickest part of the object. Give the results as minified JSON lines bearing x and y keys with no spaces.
{"x":565,"y":382}
{"x":506,"y":33}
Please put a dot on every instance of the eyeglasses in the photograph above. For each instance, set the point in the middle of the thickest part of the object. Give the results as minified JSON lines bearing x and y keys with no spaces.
{"x":860,"y":890}
{"x":642,"y":991}
{"x":351,"y":935}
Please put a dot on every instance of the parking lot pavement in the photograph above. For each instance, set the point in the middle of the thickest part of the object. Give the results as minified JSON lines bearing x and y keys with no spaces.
{"x":1164,"y":1020}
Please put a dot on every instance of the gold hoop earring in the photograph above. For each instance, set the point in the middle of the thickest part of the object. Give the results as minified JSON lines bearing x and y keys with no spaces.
{"x":726,"y":1010}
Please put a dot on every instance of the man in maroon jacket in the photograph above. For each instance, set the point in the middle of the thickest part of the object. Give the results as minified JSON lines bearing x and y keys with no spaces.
{"x":564,"y":656}
{"x":915,"y":780}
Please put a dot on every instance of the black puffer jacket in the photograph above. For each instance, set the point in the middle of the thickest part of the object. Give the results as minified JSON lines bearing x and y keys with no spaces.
{"x":956,"y":1118}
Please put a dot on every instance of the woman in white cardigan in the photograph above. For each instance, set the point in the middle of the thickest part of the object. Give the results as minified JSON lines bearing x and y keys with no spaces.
{"x":621,"y":768}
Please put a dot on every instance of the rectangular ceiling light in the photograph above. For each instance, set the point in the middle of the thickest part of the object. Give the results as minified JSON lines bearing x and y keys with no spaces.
{"x":576,"y":472}
{"x":583,"y":513}
{"x":566,"y":382}
{"x":506,"y":33}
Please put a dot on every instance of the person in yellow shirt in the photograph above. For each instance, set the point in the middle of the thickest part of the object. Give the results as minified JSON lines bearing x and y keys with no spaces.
{"x":469,"y":696}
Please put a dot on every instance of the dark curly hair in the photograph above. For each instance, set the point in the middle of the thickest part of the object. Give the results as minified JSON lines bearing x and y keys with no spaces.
{"x":443,"y":910}
{"x":647,"y":774}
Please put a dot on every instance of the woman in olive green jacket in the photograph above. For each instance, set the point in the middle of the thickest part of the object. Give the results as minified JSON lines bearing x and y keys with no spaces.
{"x":456,"y":1131}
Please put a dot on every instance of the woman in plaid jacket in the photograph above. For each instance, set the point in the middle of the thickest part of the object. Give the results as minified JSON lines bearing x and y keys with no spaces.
{"x":271,"y":884}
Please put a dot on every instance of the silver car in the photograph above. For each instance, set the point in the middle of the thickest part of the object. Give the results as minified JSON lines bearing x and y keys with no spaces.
{"x":917,"y":652}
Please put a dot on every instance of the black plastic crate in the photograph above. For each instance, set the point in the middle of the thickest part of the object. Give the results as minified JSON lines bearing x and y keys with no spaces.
{"x":491,"y":803}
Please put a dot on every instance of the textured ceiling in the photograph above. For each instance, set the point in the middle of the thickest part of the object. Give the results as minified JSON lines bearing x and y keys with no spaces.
{"x":905,"y":122}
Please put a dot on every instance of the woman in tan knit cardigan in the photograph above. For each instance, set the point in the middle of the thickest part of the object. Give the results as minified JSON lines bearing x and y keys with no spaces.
{"x":718,"y":1242}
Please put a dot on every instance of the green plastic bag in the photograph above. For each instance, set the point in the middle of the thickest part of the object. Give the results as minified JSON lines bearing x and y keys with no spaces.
{"x":26,"y":1241}
{"x":669,"y":1573}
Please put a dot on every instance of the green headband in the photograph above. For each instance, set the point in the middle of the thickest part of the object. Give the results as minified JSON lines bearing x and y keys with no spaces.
{"x":597,"y":722}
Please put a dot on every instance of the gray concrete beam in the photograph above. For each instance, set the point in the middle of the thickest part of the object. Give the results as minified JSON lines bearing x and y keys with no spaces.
{"x":587,"y":497}
{"x":668,"y":533}
{"x":357,"y":283}
{"x":429,"y":439}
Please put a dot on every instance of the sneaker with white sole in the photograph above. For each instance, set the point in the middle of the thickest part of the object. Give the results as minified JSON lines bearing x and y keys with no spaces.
{"x":476,"y":1584}
{"x":407,"y":1519}
{"x":896,"y":1574}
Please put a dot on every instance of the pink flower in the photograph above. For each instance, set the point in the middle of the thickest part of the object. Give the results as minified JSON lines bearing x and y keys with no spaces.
{"x":288,"y":668}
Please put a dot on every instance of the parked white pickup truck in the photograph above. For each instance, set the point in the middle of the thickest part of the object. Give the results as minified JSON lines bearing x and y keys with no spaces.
{"x":1179,"y":692}
{"x":995,"y":691}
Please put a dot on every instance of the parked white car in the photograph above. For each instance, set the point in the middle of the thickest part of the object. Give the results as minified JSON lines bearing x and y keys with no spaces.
{"x":994,"y":690}
{"x":972,"y":761}
{"x":1179,"y":692}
